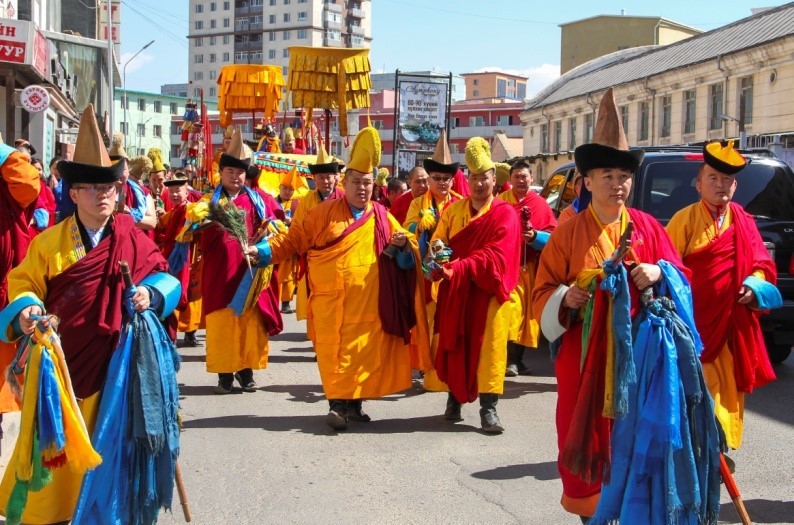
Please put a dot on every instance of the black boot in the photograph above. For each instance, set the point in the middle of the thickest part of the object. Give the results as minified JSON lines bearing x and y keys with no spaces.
{"x":190,"y":340}
{"x":489,"y":420}
{"x":354,"y":412}
{"x":337,"y":415}
{"x":286,"y":308}
{"x":452,"y":413}
{"x":225,"y":382}
{"x":246,"y":379}
{"x":515,"y":361}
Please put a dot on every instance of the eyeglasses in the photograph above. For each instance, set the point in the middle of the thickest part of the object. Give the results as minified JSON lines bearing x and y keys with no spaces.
{"x":97,"y":189}
{"x":444,"y":180}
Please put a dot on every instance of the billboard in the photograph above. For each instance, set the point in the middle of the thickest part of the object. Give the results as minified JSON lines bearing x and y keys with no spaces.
{"x":422,"y":115}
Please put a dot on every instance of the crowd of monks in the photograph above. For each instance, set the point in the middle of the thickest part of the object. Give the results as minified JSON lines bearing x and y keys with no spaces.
{"x":447,"y":273}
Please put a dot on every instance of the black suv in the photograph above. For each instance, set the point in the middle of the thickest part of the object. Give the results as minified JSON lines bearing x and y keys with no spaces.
{"x":664,"y":184}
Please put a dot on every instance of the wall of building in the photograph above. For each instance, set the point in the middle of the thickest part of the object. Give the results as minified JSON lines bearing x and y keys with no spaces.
{"x":486,"y":86}
{"x":769,"y":67}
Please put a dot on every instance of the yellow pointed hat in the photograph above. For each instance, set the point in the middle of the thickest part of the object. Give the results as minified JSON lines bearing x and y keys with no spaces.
{"x":365,"y":152}
{"x":236,"y":155}
{"x":90,"y":162}
{"x":610,"y":147}
{"x":293,"y":179}
{"x":324,"y":163}
{"x":441,"y":161}
{"x":289,"y":135}
{"x":723,"y":157}
{"x":478,"y":156}
{"x":502,"y":173}
{"x":157,"y":159}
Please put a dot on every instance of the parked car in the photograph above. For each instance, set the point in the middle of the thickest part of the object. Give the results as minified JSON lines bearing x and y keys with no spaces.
{"x":664,"y":184}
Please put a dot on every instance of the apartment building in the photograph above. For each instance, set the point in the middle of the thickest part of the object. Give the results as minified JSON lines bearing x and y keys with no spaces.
{"x":487,"y":85}
{"x":226,"y":32}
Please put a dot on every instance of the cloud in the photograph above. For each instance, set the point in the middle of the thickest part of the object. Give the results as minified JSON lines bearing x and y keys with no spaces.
{"x":539,"y":76}
{"x":140,"y":61}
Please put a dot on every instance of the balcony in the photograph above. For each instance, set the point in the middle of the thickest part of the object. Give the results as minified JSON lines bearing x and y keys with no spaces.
{"x":333,"y":24}
{"x":251,"y":45}
{"x":255,"y":27}
{"x":333,"y":42}
{"x":357,"y":30}
{"x":356,"y":13}
{"x":242,"y":11}
{"x":334,"y":8}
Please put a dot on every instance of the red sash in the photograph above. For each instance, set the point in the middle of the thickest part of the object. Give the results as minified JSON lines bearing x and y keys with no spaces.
{"x":88,"y":299}
{"x":721,"y":268}
{"x":485,"y":263}
{"x":542,"y":219}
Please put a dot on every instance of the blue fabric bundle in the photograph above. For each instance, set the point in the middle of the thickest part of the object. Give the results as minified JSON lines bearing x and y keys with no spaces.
{"x":137,"y":432}
{"x":665,"y":451}
{"x":617,"y":283}
{"x":49,"y":411}
{"x":178,"y":258}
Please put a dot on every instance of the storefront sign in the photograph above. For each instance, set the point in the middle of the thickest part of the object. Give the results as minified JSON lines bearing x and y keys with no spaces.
{"x":22,"y":43}
{"x":35,"y":98}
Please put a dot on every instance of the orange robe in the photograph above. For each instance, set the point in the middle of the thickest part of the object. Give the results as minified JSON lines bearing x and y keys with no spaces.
{"x":288,"y":269}
{"x":356,"y":357}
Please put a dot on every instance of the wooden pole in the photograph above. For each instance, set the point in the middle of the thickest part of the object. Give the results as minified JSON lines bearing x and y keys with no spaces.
{"x":328,"y":130}
{"x":733,"y":491}
{"x":180,"y":489}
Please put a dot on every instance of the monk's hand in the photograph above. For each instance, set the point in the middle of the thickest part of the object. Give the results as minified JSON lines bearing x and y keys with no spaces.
{"x":645,"y":275}
{"x":25,"y":322}
{"x":447,"y":271}
{"x":530,"y":235}
{"x":398,"y":239}
{"x":746,"y":296}
{"x":575,"y":297}
{"x":253,"y":255}
{"x":142,"y":299}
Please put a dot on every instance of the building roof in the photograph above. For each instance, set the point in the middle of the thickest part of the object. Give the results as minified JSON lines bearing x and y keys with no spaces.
{"x":497,"y":72}
{"x":621,"y":67}
{"x":659,"y":18}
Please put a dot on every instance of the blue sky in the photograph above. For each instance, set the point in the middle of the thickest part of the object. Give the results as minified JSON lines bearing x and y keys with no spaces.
{"x":450,"y":35}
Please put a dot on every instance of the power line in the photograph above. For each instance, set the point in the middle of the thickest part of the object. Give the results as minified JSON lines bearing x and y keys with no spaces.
{"x":477,"y":15}
{"x":166,"y":32}
{"x":161,"y":11}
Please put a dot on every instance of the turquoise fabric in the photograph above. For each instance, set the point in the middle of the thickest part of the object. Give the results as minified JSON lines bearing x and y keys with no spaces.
{"x":169,"y":287}
{"x":5,"y":151}
{"x":541,"y":238}
{"x":140,"y":198}
{"x":766,"y":293}
{"x":9,"y":317}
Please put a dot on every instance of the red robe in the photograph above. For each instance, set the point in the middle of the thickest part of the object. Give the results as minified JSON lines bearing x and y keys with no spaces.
{"x":399,"y":208}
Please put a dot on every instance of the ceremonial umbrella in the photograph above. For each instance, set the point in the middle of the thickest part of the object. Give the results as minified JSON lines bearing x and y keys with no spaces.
{"x":249,"y":87}
{"x":329,"y":78}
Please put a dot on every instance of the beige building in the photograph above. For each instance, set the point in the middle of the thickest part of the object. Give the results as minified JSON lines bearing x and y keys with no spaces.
{"x":590,"y":38}
{"x":684,"y":93}
{"x":261,"y":31}
{"x":495,"y":85}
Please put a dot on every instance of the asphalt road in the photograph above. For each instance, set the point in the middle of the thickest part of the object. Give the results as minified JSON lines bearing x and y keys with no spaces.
{"x":268,"y":457}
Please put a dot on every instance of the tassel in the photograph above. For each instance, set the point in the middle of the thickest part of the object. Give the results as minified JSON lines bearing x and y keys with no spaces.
{"x":16,"y":503}
{"x":42,"y":476}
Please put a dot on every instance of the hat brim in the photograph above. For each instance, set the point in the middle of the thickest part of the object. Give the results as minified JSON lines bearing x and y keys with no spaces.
{"x":720,"y":165}
{"x":330,"y":167}
{"x":170,"y":183}
{"x":431,"y":165}
{"x":229,"y":161}
{"x":591,"y":156}
{"x":76,"y":172}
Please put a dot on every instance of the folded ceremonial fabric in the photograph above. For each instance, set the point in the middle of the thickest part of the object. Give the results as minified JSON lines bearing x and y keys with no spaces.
{"x":766,"y":293}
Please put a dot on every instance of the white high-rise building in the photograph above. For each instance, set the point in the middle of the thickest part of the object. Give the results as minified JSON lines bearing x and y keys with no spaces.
{"x":261,"y":31}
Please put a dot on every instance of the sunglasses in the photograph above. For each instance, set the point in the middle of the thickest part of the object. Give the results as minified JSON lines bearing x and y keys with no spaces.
{"x":96,"y":189}
{"x":445,"y":180}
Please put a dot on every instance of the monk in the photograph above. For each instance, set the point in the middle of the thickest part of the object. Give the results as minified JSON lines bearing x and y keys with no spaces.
{"x":721,"y":244}
{"x":474,"y":308}
{"x":237,"y":341}
{"x":188,"y":311}
{"x":576,"y":247}
{"x":288,"y":269}
{"x":417,"y":186}
{"x":19,"y":190}
{"x":71,"y":270}
{"x":537,"y":222}
{"x":325,"y":172}
{"x":365,"y":300}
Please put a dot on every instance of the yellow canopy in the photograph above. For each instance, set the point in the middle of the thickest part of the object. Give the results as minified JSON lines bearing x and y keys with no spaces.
{"x":330,"y":78}
{"x":249,"y":87}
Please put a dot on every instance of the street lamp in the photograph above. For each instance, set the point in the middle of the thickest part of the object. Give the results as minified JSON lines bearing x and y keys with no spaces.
{"x":124,"y":87}
{"x":742,"y":133}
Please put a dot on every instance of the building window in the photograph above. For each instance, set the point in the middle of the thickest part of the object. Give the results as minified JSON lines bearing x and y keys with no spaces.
{"x":198,"y":42}
{"x":158,"y":106}
{"x":271,"y":54}
{"x":689,"y":111}
{"x":212,"y":23}
{"x":501,"y":88}
{"x":199,"y":25}
{"x":125,"y":101}
{"x":141,"y":104}
{"x":272,"y":2}
{"x":287,"y":35}
{"x":558,"y":135}
{"x":226,"y":22}
{"x":198,"y":75}
{"x":157,"y":130}
{"x":272,"y":19}
{"x":588,"y":128}
{"x":476,"y":121}
{"x":476,"y":93}
{"x":644,"y":120}
{"x":196,"y":92}
{"x":141,"y":130}
{"x":522,"y":91}
{"x":255,"y":57}
{"x":624,"y":118}
{"x":286,"y":52}
{"x":212,"y":91}
{"x":174,"y":108}
{"x":256,"y":19}
{"x":302,"y":16}
{"x":213,"y":57}
{"x":715,"y":106}
{"x":226,"y":57}
{"x":141,"y":151}
{"x":286,"y":2}
{"x":301,"y":34}
{"x":198,"y":59}
{"x":544,"y":138}
{"x":666,"y":116}
{"x":377,"y":124}
{"x":213,"y":6}
{"x":572,"y":133}
{"x":504,"y":120}
{"x":241,"y":57}
{"x":213,"y":40}
{"x":226,"y":6}
{"x":746,"y":99}
{"x":475,"y":82}
{"x":226,"y":38}
{"x":123,"y":127}
{"x":199,"y":8}
{"x":356,"y":40}
{"x":272,"y":36}
{"x":212,"y":74}
{"x":286,"y":17}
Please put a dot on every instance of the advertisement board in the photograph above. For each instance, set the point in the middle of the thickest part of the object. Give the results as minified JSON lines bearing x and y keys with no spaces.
{"x":422,"y":114}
